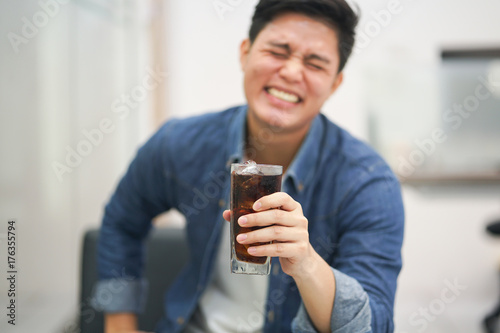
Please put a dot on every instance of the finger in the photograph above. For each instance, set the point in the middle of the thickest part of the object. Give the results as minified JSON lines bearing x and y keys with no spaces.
{"x":227,"y":215}
{"x":273,"y":233}
{"x":276,"y":200}
{"x":282,"y":250}
{"x":273,"y":216}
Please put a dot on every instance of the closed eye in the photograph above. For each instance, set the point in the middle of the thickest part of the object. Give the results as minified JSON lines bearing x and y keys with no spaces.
{"x":279,"y":55}
{"x":314,"y":66}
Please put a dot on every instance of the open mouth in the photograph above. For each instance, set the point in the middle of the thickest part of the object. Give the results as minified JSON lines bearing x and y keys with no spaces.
{"x":284,"y":96}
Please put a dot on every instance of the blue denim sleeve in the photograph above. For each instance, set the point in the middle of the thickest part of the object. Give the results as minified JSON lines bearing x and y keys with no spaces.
{"x":351,"y":309}
{"x":368,"y":259}
{"x":140,"y":196}
{"x":120,"y":295}
{"x":371,"y":228}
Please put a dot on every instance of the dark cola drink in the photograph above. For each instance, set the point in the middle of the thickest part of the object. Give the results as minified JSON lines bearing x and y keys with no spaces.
{"x":249,"y":182}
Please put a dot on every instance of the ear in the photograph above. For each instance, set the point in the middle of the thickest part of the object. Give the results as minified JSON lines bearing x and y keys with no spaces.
{"x":244,"y":51}
{"x":337,"y":82}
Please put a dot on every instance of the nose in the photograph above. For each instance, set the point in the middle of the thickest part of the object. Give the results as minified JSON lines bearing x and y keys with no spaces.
{"x":292,"y":69}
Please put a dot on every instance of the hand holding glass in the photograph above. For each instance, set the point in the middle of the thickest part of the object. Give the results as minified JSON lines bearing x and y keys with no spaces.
{"x":250,"y":182}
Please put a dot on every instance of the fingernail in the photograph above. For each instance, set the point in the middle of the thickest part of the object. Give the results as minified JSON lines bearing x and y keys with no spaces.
{"x":252,"y":250}
{"x":257,"y":205}
{"x":242,"y":220}
{"x":240,"y":238}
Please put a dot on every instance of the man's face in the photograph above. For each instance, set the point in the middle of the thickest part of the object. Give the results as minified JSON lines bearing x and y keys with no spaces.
{"x":289,"y":72}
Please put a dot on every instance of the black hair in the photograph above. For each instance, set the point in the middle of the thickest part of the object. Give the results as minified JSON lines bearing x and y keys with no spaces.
{"x":335,"y":13}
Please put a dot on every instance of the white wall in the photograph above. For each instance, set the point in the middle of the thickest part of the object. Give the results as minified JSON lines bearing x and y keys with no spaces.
{"x":27,"y":194}
{"x":61,"y":81}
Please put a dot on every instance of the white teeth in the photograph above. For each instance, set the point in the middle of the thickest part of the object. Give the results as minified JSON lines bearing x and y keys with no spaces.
{"x":283,"y":95}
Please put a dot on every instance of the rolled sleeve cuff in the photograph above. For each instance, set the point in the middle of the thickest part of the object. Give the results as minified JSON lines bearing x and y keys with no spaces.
{"x":120,"y":295}
{"x":351,"y":309}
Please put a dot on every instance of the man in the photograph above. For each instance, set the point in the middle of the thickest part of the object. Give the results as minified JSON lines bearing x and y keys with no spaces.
{"x":339,"y":227}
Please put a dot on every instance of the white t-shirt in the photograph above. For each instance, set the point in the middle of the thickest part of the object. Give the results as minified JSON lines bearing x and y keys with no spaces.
{"x":231,"y":302}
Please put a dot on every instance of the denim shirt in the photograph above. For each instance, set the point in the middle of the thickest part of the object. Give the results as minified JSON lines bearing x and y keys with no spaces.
{"x":349,"y":195}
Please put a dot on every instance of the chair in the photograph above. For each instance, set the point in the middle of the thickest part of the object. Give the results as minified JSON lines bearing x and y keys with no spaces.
{"x":491,"y":321}
{"x":167,"y":252}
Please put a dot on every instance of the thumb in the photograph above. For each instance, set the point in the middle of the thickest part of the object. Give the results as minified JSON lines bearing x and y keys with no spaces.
{"x":227,"y":215}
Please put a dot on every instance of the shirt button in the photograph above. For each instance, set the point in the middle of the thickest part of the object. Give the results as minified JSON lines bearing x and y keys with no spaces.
{"x":301,"y":186}
{"x":222,"y":203}
{"x":270,"y":316}
{"x":276,"y":270}
{"x":180,"y":320}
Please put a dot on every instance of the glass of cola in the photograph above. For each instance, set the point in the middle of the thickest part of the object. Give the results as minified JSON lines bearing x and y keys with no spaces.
{"x":249,"y":182}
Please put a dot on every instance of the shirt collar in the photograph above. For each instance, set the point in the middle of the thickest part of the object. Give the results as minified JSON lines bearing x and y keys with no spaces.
{"x":236,"y":138}
{"x":303,"y":165}
{"x":302,"y":169}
